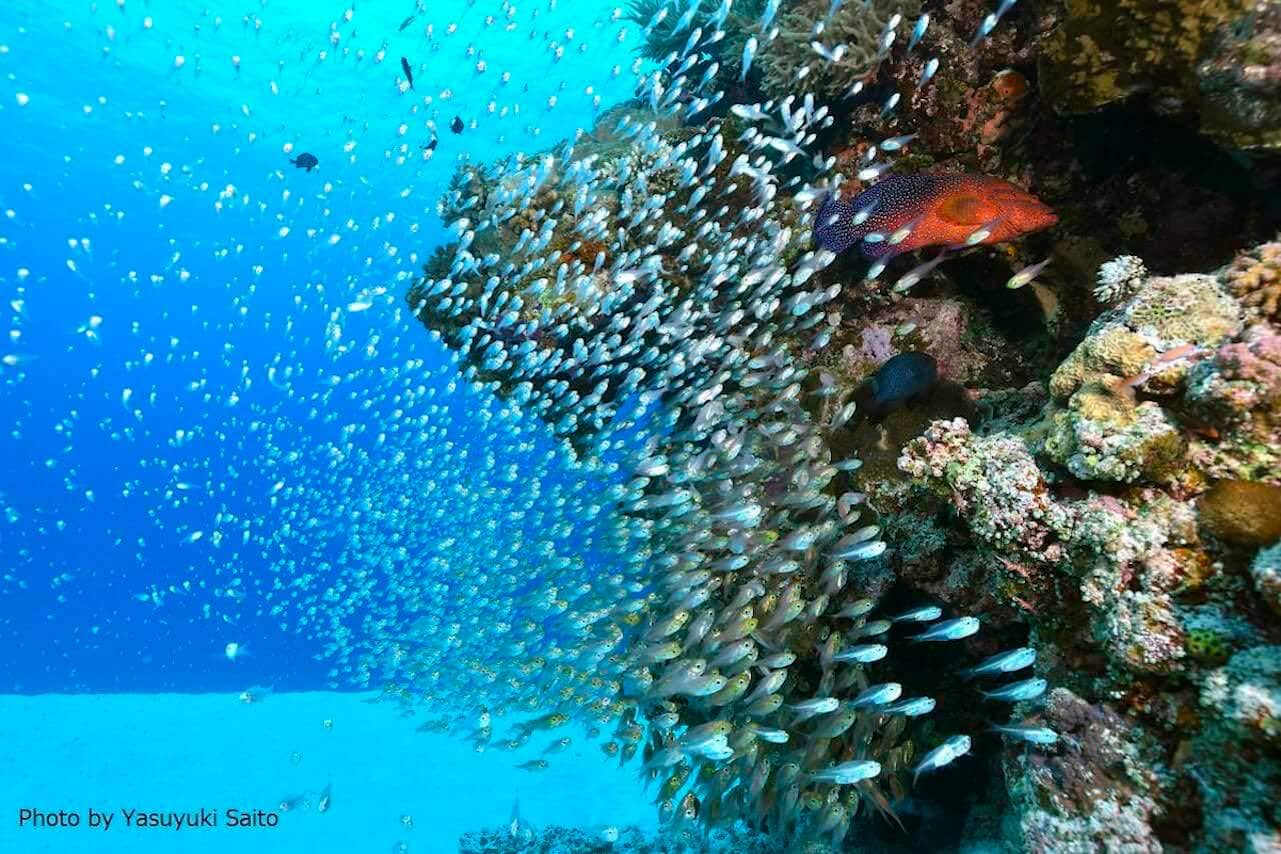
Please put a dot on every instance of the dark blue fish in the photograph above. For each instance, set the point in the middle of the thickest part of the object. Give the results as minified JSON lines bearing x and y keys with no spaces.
{"x":902,"y":378}
{"x":409,"y":74}
{"x":305,"y":161}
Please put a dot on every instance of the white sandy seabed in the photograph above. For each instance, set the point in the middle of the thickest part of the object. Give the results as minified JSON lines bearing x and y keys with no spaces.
{"x":185,"y":752}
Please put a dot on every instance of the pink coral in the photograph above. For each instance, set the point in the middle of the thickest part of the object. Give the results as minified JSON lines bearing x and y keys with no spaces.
{"x":1238,"y":393}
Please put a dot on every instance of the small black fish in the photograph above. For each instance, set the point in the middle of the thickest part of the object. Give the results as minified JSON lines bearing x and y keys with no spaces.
{"x":305,"y":161}
{"x":409,"y":75}
{"x":406,"y":23}
{"x":431,"y":146}
{"x":905,"y":377}
{"x":456,"y":125}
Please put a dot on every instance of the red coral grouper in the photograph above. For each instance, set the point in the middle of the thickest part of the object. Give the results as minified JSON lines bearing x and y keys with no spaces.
{"x":909,"y":212}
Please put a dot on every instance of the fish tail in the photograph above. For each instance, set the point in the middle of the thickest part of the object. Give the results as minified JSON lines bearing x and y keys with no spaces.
{"x":832,"y":229}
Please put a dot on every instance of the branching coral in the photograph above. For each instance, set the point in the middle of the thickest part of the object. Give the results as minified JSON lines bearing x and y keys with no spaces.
{"x":1255,"y":279}
{"x":792,"y":65}
{"x":665,"y":37}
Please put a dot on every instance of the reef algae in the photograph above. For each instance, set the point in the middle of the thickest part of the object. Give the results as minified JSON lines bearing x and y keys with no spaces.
{"x":1240,"y":80}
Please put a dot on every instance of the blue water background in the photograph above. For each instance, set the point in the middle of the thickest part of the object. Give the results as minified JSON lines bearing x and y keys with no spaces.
{"x":91,"y":519}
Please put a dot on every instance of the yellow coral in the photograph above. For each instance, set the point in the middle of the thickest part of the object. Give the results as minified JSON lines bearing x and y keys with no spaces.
{"x":1184,"y":309}
{"x":1242,"y":511}
{"x":1255,"y":279}
{"x":1112,"y":354}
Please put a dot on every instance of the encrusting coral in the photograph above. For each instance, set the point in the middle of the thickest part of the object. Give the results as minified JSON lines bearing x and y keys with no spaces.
{"x":1103,"y":51}
{"x":1139,"y":590}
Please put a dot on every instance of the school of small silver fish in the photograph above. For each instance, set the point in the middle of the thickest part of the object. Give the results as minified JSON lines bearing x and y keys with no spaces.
{"x":659,"y":291}
{"x":676,"y":566}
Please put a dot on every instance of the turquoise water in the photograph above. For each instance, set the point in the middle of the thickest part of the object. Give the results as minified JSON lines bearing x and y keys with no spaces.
{"x":388,"y":783}
{"x":225,"y":438}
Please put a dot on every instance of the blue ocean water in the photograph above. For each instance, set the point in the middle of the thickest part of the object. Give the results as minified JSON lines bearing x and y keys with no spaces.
{"x":206,"y":370}
{"x":158,"y":244}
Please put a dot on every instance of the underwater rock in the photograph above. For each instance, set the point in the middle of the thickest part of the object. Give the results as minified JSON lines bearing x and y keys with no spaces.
{"x":1103,"y":433}
{"x":1101,"y":437}
{"x":1240,"y":80}
{"x":1096,"y":790}
{"x":1266,"y":571}
{"x":1233,"y":759}
{"x":1236,"y":394}
{"x":994,"y":483}
{"x":1102,"y":51}
{"x":555,"y":839}
{"x":1152,"y":607}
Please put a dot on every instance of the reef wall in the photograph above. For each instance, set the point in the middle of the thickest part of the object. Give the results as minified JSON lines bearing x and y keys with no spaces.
{"x":1094,"y":473}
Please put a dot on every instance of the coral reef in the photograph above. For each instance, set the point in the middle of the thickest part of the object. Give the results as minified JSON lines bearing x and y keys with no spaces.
{"x":1096,"y":792}
{"x":615,"y":840}
{"x":1236,"y":395}
{"x":1094,"y":474}
{"x":1119,"y":278}
{"x":1266,"y":572}
{"x":1233,"y":759}
{"x":1168,"y":404}
{"x":1101,"y":52}
{"x":1240,"y":79}
{"x":792,"y":63}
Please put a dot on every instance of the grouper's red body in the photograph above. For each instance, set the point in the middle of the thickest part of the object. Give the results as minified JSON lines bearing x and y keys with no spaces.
{"x":939,"y":210}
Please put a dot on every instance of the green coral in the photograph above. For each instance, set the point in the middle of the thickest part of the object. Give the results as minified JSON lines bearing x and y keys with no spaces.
{"x":1207,"y":646}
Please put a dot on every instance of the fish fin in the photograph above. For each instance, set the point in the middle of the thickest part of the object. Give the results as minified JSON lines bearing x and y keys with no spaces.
{"x":965,"y":209}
